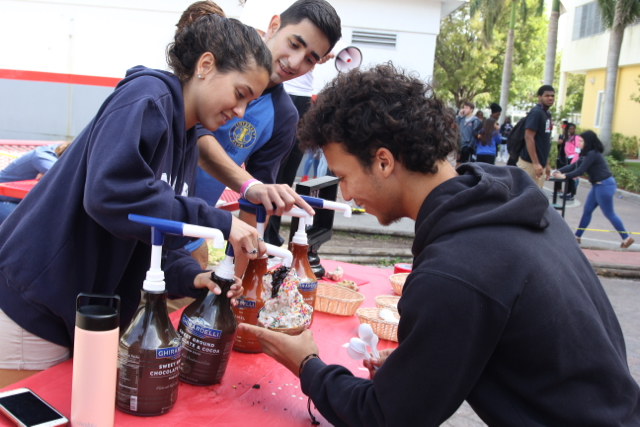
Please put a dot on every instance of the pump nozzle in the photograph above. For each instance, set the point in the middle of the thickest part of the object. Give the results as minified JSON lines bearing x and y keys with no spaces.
{"x":166,"y":226}
{"x":315,"y":202}
{"x":300,"y":237}
{"x":226,"y":267}
{"x":287,"y":256}
{"x":258,"y":210}
{"x":159,"y":227}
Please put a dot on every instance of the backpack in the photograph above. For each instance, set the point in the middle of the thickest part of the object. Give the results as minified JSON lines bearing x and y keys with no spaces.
{"x":515,"y":141}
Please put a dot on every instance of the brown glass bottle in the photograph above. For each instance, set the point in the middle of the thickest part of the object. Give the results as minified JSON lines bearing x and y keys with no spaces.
{"x":208,"y":329}
{"x":149,"y":360}
{"x":308,"y":281}
{"x":250,"y":304}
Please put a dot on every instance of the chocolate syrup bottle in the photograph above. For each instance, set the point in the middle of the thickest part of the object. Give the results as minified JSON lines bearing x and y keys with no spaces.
{"x":149,"y":359}
{"x":250,"y":304}
{"x":208,"y":330}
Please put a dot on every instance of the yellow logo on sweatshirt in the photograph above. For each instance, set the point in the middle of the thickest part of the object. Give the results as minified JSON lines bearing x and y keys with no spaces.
{"x":242,"y":134}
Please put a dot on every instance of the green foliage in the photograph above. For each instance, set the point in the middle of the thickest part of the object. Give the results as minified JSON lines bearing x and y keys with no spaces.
{"x":215,"y":255}
{"x":617,"y":155}
{"x":628,"y":12}
{"x":635,"y":96}
{"x":626,"y":178}
{"x":553,"y":155}
{"x":468,"y":68}
{"x":627,"y":145}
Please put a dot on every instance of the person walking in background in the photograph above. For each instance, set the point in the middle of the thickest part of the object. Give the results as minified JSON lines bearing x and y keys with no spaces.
{"x":571,"y":153}
{"x":313,"y":159}
{"x":505,"y":131}
{"x":31,"y":165}
{"x":496,"y":111}
{"x":488,"y":141}
{"x":534,"y":157}
{"x":467,"y":123}
{"x":480,"y":115}
{"x":603,"y":188}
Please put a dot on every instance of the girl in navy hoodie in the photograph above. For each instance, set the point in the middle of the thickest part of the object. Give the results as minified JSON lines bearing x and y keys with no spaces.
{"x":139,"y":154}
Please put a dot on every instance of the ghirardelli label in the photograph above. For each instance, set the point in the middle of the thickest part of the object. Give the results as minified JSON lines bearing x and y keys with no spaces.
{"x":199,"y":330}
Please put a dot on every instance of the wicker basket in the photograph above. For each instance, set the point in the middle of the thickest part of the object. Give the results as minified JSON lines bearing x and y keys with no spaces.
{"x":381,"y":327}
{"x":387,"y":301}
{"x":397,"y":282}
{"x":336,"y":299}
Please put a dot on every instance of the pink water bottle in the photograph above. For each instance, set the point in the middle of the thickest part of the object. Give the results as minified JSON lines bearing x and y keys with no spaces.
{"x":95,"y":361}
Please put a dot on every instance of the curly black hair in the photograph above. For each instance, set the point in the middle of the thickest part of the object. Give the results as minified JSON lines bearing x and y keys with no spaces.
{"x":382,"y":107}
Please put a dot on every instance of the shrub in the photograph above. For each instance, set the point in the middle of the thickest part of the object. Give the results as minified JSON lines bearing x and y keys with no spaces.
{"x":625,"y":144}
{"x":625,"y":178}
{"x":618,"y":154}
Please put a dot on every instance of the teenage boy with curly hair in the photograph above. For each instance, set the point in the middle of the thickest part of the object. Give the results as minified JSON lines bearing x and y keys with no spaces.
{"x":485,"y":315}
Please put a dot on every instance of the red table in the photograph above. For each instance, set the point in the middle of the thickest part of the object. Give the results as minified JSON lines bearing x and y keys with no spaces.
{"x":17,"y":189}
{"x":279,"y":400}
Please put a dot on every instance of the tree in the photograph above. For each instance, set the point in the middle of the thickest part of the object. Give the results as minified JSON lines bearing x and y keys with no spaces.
{"x":464,"y":67}
{"x":469,"y":68}
{"x":617,"y":15}
{"x":552,"y":43}
{"x":492,"y":10}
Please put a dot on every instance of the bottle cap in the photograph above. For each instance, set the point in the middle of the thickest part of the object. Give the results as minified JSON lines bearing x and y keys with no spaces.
{"x":98,"y":317}
{"x":226,"y":268}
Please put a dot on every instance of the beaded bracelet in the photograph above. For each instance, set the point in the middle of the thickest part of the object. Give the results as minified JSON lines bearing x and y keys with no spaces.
{"x":247,"y":185}
{"x":304,"y":360}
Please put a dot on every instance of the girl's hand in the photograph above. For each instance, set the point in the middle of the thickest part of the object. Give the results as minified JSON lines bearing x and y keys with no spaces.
{"x":203,"y":280}
{"x":244,"y":239}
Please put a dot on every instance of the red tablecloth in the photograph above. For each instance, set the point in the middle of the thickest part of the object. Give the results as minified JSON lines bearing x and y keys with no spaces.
{"x":279,"y":400}
{"x":17,"y":189}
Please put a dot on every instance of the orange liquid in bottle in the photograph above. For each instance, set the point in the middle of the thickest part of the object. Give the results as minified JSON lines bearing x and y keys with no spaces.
{"x":308,"y":282}
{"x":250,"y":304}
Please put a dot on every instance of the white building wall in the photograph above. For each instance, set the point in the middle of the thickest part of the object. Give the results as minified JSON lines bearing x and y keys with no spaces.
{"x":89,"y":37}
{"x":105,"y":38}
{"x":590,"y":53}
{"x":416,"y":24}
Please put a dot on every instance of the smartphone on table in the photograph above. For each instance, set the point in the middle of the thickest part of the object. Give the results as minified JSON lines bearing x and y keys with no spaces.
{"x":27,"y":409}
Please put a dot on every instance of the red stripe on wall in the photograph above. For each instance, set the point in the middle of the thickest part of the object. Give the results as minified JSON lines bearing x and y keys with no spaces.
{"x":77,"y":79}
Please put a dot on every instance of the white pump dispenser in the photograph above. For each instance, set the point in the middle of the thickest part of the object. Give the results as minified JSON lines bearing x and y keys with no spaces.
{"x":300,"y":237}
{"x":154,"y":281}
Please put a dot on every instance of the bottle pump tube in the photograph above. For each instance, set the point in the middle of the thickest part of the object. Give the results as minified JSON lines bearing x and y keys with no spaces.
{"x":150,"y":349}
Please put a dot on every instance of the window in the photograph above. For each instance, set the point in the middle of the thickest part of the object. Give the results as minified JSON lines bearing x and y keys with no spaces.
{"x":374,"y":38}
{"x":587,"y":21}
{"x":599,"y":109}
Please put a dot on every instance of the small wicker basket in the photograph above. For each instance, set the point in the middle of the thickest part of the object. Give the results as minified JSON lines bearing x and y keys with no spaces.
{"x":336,"y":299}
{"x":381,"y":327}
{"x":387,"y":301}
{"x":397,"y":282}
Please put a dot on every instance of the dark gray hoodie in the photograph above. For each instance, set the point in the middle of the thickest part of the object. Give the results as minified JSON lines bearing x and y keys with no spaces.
{"x":488,"y":317}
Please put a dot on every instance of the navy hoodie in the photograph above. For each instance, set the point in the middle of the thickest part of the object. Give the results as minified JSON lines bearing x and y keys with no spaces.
{"x":71,"y":233}
{"x":488,"y":317}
